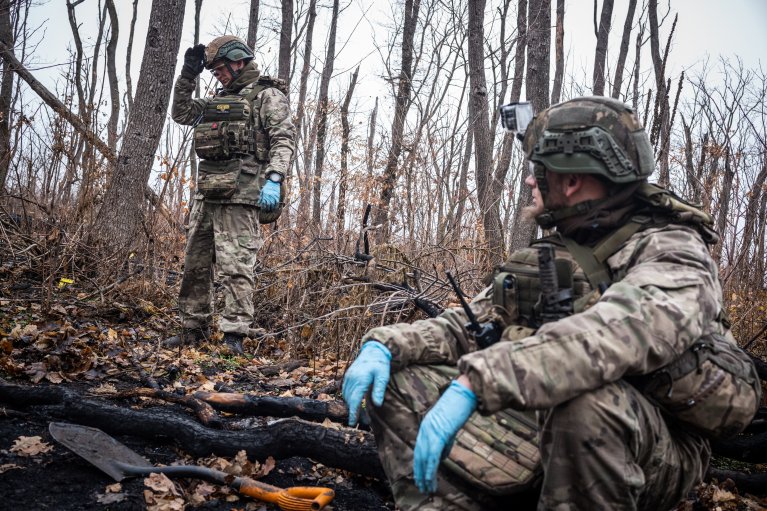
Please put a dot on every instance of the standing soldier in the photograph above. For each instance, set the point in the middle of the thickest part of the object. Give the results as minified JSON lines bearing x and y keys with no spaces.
{"x":610,"y":362}
{"x":245,"y":138}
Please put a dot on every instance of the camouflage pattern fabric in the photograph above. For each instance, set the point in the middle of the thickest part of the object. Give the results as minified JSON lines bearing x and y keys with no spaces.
{"x":610,"y":448}
{"x":223,"y":238}
{"x":669,"y":297}
{"x":274,"y":127}
{"x":409,"y":395}
{"x":225,"y":234}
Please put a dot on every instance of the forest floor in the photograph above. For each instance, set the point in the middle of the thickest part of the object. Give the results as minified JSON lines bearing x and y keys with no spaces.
{"x":54,"y":339}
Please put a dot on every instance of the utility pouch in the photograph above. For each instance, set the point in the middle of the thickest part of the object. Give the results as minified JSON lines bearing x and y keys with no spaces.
{"x":712,"y":387}
{"x":218,"y":179}
{"x":226,"y":129}
{"x":497,"y":454}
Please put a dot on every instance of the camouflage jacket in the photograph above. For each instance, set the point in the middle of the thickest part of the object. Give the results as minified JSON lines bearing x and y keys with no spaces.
{"x":273,"y":112}
{"x":669,"y":297}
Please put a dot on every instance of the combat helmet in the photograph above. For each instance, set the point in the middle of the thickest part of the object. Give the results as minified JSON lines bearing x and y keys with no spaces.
{"x":589,"y":135}
{"x":228,"y":48}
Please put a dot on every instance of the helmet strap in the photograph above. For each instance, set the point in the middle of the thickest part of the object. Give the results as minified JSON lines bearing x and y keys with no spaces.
{"x":234,"y":74}
{"x":549,"y":218}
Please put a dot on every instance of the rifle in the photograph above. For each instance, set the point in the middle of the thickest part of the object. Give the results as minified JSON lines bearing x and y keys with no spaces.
{"x":554,"y":303}
{"x":485,"y":334}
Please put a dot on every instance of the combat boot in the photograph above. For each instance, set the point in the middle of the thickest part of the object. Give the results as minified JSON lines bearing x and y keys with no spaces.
{"x":233,"y":342}
{"x":187,"y":337}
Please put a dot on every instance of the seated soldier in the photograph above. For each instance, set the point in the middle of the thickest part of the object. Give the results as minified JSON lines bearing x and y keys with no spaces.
{"x":563,"y":395}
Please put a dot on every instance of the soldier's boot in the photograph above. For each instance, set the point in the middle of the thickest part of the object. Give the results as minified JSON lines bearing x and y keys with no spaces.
{"x":187,"y":337}
{"x":233,"y":342}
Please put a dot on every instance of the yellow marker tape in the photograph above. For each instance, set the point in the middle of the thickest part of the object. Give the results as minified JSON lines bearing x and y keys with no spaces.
{"x":64,"y":282}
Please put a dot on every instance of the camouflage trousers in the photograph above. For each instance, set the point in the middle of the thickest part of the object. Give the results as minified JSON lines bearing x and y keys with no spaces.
{"x":606,"y":449}
{"x":223,"y":239}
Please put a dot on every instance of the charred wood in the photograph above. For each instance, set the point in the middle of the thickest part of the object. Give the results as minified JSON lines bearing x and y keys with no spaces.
{"x":204,"y":411}
{"x":308,"y":409}
{"x":748,"y":448}
{"x":746,"y":483}
{"x":343,"y":448}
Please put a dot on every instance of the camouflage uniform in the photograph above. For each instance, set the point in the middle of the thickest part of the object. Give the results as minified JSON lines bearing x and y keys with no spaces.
{"x":603,"y":444}
{"x":225,"y":233}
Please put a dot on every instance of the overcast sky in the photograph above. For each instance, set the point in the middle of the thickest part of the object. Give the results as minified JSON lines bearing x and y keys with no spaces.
{"x":706,"y":29}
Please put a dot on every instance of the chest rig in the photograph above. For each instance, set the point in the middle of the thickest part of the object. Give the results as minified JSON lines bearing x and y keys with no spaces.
{"x":712,"y":387}
{"x":228,"y":131}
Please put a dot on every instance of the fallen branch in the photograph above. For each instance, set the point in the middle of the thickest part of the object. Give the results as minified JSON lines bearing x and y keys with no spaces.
{"x":204,"y":411}
{"x":308,"y":409}
{"x":746,"y":483}
{"x":52,"y":101}
{"x":748,"y":448}
{"x":343,"y":448}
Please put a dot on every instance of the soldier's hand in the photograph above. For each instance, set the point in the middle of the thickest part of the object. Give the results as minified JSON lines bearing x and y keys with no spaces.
{"x":270,"y":196}
{"x":194,"y":61}
{"x":371,"y":368}
{"x":437,"y":433}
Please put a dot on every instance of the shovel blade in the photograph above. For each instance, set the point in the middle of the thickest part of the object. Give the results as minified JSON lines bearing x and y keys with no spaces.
{"x":98,"y":448}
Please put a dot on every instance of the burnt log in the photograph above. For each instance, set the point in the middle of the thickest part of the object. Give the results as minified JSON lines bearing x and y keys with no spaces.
{"x":308,"y":409}
{"x":747,"y":448}
{"x":746,"y":483}
{"x":761,"y":367}
{"x":204,"y":411}
{"x":343,"y":448}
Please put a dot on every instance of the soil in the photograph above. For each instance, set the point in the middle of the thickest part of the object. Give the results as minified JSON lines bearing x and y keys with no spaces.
{"x":60,"y":480}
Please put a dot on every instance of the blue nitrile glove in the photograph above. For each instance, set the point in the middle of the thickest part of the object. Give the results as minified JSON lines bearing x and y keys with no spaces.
{"x":371,"y":368}
{"x":270,"y":196}
{"x":438,"y":431}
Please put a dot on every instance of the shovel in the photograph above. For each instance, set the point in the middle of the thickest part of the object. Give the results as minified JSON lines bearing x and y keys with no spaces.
{"x":120,"y":462}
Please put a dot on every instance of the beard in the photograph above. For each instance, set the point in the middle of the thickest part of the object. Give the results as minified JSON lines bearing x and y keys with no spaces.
{"x":555,"y":198}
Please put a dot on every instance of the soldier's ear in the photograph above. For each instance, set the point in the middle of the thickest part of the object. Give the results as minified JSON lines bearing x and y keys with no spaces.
{"x":572,"y":184}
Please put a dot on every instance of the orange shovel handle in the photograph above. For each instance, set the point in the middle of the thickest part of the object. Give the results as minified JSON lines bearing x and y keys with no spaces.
{"x":296,"y":498}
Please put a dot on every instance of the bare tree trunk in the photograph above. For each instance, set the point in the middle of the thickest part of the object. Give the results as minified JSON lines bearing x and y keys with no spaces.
{"x":504,"y":158}
{"x":78,"y":58}
{"x":635,"y":95}
{"x":479,"y":123}
{"x":128,"y":54}
{"x":402,"y":104}
{"x":286,"y":38}
{"x":624,"y":50}
{"x":192,"y":152}
{"x":761,"y":260}
{"x":724,"y":202}
{"x":253,"y":24}
{"x":371,"y":138}
{"x":114,"y":90}
{"x":519,"y":55}
{"x":303,"y":177}
{"x":322,"y":117}
{"x":559,"y":53}
{"x":600,"y":53}
{"x":119,"y":220}
{"x":660,"y":130}
{"x":751,"y":221}
{"x":537,"y":85}
{"x":463,"y":191}
{"x":345,"y":131}
{"x":6,"y":92}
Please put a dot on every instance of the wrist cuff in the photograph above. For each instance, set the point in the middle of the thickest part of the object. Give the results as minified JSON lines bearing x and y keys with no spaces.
{"x":373,"y":344}
{"x":463,"y":391}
